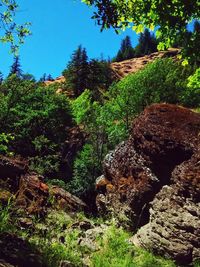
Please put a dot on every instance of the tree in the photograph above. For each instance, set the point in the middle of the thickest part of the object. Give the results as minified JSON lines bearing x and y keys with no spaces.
{"x":171,"y":17}
{"x":77,"y":71}
{"x":99,"y":78}
{"x":10,"y":31}
{"x":126,"y":50}
{"x":147,"y":44}
{"x":16,"y":68}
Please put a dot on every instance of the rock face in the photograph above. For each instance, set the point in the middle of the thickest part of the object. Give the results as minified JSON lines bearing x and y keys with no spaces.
{"x":123,"y":68}
{"x":153,"y":179}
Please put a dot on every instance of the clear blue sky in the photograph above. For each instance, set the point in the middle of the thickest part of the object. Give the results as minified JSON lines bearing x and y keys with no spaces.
{"x":58,"y":27}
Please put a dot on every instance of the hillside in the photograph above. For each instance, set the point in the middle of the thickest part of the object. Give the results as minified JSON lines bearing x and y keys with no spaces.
{"x":123,"y":68}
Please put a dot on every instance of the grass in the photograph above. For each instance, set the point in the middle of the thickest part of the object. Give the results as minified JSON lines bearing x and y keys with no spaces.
{"x":57,"y":240}
{"x":116,"y":251}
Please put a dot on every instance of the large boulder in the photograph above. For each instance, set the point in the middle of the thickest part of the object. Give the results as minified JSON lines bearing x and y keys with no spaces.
{"x":153,"y":179}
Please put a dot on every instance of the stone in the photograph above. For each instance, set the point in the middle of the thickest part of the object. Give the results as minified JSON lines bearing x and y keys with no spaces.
{"x":155,"y":178}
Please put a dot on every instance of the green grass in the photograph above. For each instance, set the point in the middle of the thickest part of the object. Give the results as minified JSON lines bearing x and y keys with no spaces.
{"x":116,"y":251}
{"x":57,"y":240}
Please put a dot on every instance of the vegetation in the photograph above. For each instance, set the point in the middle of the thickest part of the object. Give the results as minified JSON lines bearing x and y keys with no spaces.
{"x":169,"y":19}
{"x":82,"y":74}
{"x":11,"y":32}
{"x":36,"y":117}
{"x":57,"y":240}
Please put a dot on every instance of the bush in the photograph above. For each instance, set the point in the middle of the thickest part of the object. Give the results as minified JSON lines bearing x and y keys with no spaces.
{"x":191,"y":96}
{"x":37,"y":117}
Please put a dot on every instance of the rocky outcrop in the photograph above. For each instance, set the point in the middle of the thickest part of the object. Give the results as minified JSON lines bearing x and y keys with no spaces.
{"x":153,"y":179}
{"x":123,"y":68}
{"x":30,"y":191}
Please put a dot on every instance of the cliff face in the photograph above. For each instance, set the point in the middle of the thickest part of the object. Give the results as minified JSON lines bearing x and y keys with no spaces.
{"x":159,"y":163}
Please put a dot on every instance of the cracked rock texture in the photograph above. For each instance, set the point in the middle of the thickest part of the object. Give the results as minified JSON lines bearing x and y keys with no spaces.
{"x":153,"y":180}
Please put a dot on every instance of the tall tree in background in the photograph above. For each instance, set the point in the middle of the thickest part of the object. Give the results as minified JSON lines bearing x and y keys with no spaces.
{"x":126,"y":50}
{"x":16,"y":68}
{"x":147,"y":44}
{"x":77,"y":71}
{"x":100,"y":77}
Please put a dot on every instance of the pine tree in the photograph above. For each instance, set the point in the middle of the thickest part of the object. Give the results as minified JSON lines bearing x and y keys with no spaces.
{"x":147,"y":44}
{"x":16,"y":68}
{"x":77,"y":71}
{"x":126,"y":50}
{"x":43,"y":78}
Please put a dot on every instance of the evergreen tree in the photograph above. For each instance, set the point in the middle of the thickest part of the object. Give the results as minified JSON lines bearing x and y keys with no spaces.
{"x":99,"y":78}
{"x":43,"y":78}
{"x":77,"y":71}
{"x":50,"y":78}
{"x":16,"y":67}
{"x":147,"y":44}
{"x":126,"y":50}
{"x":1,"y":77}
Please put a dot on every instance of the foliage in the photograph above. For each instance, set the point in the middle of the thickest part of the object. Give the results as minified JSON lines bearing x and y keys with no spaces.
{"x":85,"y":171}
{"x":191,"y":96}
{"x":170,"y":19}
{"x":161,"y":81}
{"x":76,"y":73}
{"x":81,"y":74}
{"x":117,"y":251}
{"x":5,"y":217}
{"x":4,"y":143}
{"x":99,"y":78}
{"x":126,"y":50}
{"x":15,"y":69}
{"x":36,"y":116}
{"x":11,"y":32}
{"x":147,"y":44}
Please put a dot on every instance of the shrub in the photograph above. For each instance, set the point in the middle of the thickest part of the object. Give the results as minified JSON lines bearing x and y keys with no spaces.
{"x":37,"y":117}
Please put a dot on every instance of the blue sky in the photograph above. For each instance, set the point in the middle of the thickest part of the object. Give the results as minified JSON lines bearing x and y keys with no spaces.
{"x":58,"y":27}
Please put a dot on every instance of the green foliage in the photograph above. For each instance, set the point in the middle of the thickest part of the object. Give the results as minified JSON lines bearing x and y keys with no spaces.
{"x":5,"y":217}
{"x":117,"y":251}
{"x":161,"y":81}
{"x":77,"y":71}
{"x":15,"y":69}
{"x":85,"y":171}
{"x":191,"y":96}
{"x":4,"y":142}
{"x":11,"y":32}
{"x":82,"y":74}
{"x":147,"y":44}
{"x":126,"y":50}
{"x":37,"y":117}
{"x":170,"y":19}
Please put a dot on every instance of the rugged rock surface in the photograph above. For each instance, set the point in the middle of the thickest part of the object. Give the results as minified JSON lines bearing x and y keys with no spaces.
{"x":159,"y":163}
{"x":123,"y":68}
{"x":16,"y":252}
{"x":31,"y":193}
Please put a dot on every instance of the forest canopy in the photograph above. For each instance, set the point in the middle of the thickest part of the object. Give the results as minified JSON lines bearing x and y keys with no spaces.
{"x":170,"y":18}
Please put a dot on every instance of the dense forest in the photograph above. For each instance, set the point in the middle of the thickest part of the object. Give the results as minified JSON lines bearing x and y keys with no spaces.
{"x":62,"y":133}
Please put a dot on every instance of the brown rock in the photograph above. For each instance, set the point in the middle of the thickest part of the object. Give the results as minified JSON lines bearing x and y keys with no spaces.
{"x":161,"y":163}
{"x":10,"y":171}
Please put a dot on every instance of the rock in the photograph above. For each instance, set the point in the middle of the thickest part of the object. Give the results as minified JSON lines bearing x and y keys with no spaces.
{"x":174,"y":227}
{"x":155,"y":181}
{"x":10,"y":171}
{"x":66,"y":201}
{"x":32,"y":194}
{"x":18,"y":252}
{"x":35,"y":196}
